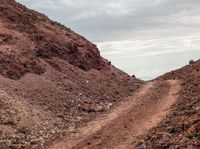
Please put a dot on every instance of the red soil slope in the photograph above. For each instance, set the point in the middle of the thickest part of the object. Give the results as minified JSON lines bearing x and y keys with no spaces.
{"x":181,"y":128}
{"x":52,"y":80}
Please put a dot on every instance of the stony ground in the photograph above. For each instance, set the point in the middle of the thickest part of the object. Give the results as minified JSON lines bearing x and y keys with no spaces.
{"x":181,"y":128}
{"x":120,"y":128}
{"x":54,"y":82}
{"x":51,"y":79}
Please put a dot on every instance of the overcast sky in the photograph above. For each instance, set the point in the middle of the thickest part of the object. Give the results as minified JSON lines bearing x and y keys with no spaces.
{"x":142,"y":37}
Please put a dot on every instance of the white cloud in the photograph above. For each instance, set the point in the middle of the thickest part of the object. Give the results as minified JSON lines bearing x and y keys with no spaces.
{"x":138,"y":36}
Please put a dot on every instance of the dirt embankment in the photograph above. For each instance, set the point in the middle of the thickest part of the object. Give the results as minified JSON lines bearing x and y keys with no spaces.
{"x":54,"y":81}
{"x":51,"y":79}
{"x":119,"y":129}
{"x":181,"y":128}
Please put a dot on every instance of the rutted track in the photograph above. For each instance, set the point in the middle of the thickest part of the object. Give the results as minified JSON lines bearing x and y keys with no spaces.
{"x":135,"y":117}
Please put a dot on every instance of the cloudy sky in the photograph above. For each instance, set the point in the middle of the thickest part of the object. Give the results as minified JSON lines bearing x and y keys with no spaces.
{"x":141,"y":37}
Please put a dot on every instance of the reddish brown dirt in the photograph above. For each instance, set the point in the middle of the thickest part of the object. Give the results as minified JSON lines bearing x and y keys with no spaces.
{"x":181,"y":128}
{"x":142,"y":111}
{"x":51,"y":79}
{"x":53,"y":82}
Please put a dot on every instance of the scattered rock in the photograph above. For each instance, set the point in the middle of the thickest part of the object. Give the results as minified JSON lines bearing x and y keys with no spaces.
{"x":183,"y":121}
{"x":133,"y":76}
{"x":92,"y":107}
{"x":191,"y":62}
{"x":88,"y":142}
{"x":109,"y":106}
{"x":49,"y":70}
{"x":171,"y":129}
{"x":33,"y":142}
{"x":15,"y":146}
{"x":24,"y":130}
{"x":140,"y":145}
{"x":53,"y":132}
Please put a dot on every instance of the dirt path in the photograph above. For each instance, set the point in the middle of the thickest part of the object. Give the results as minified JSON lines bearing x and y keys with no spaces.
{"x":130,"y":119}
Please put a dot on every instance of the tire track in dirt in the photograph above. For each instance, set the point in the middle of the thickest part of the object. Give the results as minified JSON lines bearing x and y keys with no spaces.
{"x":119,"y":129}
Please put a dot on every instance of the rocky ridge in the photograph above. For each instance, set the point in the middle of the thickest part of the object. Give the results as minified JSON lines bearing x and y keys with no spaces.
{"x":181,"y":128}
{"x":52,"y":80}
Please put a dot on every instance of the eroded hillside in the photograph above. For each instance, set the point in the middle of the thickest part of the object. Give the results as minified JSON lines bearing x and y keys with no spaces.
{"x":52,"y":80}
{"x":181,"y":128}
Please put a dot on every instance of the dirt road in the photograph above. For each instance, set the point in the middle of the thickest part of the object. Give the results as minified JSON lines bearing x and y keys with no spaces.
{"x":119,"y":129}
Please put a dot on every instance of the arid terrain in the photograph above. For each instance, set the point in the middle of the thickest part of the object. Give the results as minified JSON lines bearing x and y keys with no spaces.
{"x":57,"y":92}
{"x":181,"y":128}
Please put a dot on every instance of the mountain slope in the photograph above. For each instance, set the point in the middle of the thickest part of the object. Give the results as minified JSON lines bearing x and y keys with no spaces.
{"x":28,"y":36}
{"x":52,"y":80}
{"x":181,"y":128}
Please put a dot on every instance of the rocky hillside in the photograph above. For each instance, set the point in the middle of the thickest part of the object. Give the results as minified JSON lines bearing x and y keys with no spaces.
{"x":181,"y":129}
{"x":28,"y":38}
{"x":52,"y":80}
